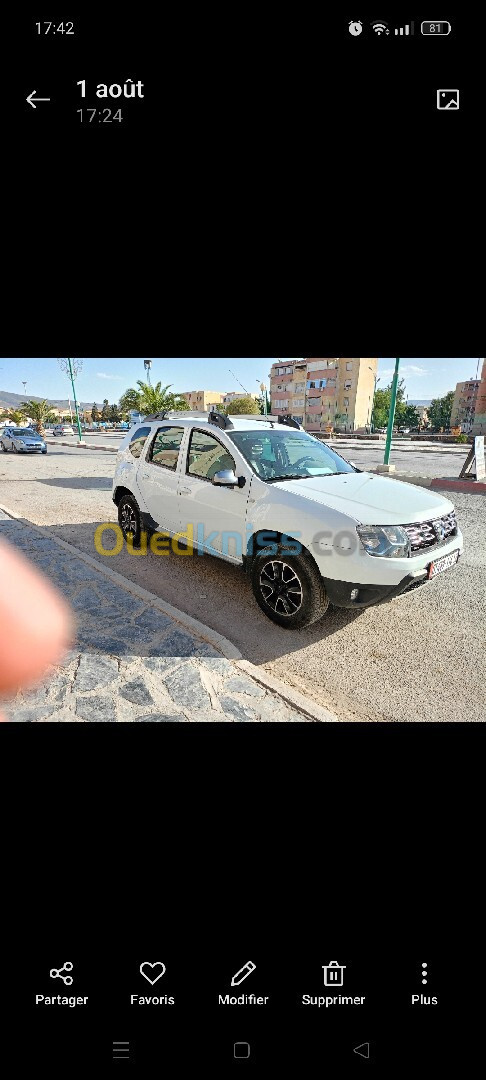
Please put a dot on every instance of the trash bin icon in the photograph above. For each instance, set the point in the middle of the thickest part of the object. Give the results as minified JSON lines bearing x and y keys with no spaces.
{"x":333,"y":974}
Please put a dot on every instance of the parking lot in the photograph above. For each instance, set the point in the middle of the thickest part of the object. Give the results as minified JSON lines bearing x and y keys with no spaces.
{"x":418,"y":658}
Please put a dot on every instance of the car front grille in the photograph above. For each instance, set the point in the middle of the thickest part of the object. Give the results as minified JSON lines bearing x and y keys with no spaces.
{"x":430,"y":534}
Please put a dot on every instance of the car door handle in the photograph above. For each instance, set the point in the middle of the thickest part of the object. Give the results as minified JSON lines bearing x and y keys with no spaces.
{"x":185,"y":491}
{"x":146,"y":476}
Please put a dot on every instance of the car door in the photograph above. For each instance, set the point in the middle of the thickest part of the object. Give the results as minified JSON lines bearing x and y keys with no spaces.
{"x":216,"y":513}
{"x":158,"y":477}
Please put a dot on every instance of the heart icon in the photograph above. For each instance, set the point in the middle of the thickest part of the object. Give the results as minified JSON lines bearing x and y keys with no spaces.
{"x":152,"y":972}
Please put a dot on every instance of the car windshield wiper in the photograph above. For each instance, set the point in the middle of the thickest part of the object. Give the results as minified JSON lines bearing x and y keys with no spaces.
{"x":299,"y":476}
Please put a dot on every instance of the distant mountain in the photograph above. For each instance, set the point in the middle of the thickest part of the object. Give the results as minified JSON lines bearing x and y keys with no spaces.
{"x":12,"y":401}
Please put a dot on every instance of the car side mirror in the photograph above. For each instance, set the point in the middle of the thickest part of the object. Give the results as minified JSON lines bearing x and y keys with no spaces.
{"x":225,"y":478}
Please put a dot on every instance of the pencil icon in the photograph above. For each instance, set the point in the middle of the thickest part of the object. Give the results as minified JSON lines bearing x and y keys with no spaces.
{"x":243,"y":974}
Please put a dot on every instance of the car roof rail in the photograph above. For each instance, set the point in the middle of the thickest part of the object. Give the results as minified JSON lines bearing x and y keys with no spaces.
{"x":220,"y":420}
{"x":290,"y":422}
{"x":174,"y":414}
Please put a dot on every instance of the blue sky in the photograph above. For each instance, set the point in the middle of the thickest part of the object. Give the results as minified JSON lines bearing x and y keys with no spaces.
{"x":110,"y":376}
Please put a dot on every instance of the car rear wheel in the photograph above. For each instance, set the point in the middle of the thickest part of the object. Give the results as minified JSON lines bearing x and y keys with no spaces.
{"x":288,"y":588}
{"x":4,"y":448}
{"x":129,"y":519}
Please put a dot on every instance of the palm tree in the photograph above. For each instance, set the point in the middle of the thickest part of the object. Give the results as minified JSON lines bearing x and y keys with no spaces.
{"x":16,"y":417}
{"x":39,"y":412}
{"x":151,"y":399}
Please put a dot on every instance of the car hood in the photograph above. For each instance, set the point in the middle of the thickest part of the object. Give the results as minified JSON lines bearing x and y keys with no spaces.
{"x":29,"y":440}
{"x":370,"y":499}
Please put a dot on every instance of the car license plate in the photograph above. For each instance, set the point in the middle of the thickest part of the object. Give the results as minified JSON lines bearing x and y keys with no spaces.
{"x":443,"y":564}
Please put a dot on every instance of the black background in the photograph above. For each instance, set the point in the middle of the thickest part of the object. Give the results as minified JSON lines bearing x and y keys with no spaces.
{"x":278,"y":172}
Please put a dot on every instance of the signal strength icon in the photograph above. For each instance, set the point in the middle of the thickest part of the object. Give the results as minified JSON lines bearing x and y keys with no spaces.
{"x":409,"y":28}
{"x":380,"y":27}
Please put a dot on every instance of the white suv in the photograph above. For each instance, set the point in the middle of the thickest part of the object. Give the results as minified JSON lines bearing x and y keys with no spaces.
{"x":309,"y":528}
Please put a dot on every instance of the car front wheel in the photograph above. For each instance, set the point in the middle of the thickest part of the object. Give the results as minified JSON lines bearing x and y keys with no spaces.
{"x":288,"y":588}
{"x":4,"y":448}
{"x":129,"y":519}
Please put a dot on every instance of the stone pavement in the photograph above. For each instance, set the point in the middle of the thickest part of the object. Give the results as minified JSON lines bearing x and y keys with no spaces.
{"x":130,"y":661}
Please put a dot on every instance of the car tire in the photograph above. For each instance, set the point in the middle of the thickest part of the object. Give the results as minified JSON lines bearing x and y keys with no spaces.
{"x":44,"y":451}
{"x":129,"y":519}
{"x":15,"y":449}
{"x":304,"y":594}
{"x":4,"y":448}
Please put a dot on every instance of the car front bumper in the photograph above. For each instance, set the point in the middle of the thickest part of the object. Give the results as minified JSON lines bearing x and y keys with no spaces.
{"x":347,"y":594}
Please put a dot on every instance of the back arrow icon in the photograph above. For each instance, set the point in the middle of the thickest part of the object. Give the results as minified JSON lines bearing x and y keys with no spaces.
{"x":363,"y":1050}
{"x":32,"y":100}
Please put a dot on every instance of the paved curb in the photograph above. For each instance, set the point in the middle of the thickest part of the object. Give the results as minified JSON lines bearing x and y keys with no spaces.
{"x":292,"y":697}
{"x":81,"y":446}
{"x":288,"y":694}
{"x":446,"y":483}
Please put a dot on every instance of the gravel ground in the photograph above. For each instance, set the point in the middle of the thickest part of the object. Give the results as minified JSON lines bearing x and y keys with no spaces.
{"x":420,"y":657}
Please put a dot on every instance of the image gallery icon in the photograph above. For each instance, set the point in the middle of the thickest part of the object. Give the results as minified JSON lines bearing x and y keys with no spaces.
{"x":448,"y":99}
{"x":333,"y":973}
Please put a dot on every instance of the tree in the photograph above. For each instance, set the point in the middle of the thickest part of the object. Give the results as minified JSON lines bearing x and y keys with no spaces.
{"x":105,"y":412}
{"x":115,"y":414}
{"x":152,"y":399}
{"x":440,"y":410}
{"x":40,"y":413}
{"x":16,"y":417}
{"x":381,"y":409}
{"x":95,"y":414}
{"x":411,"y":417}
{"x":243,"y":405}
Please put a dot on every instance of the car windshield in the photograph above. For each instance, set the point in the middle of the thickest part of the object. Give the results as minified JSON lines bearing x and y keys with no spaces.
{"x":288,"y":455}
{"x":22,"y":432}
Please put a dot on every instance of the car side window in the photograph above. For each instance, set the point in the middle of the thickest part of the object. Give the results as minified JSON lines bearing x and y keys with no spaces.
{"x":164,"y":451}
{"x":137,"y":442}
{"x":207,"y":456}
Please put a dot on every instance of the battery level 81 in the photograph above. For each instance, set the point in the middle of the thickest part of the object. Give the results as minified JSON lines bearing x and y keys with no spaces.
{"x":436,"y":29}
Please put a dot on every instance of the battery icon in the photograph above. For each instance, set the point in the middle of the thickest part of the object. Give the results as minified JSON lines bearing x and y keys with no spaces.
{"x":438,"y":29}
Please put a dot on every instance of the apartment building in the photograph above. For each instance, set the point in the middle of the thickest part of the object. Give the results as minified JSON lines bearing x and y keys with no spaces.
{"x":325,"y":393}
{"x":203,"y":400}
{"x":479,"y":421}
{"x":464,"y":406}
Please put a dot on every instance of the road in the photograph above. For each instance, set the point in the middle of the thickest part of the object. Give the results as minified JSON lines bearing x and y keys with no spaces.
{"x":418,"y":658}
{"x":429,"y":461}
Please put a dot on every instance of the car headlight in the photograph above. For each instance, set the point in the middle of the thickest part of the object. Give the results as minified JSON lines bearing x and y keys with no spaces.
{"x":385,"y":541}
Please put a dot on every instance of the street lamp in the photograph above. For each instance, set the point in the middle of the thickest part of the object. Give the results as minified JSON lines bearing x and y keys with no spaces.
{"x":71,"y":368}
{"x":391,"y":418}
{"x":377,"y":380}
{"x":264,"y":393}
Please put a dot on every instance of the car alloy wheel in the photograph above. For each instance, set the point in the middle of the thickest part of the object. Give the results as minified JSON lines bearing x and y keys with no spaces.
{"x":281,"y":588}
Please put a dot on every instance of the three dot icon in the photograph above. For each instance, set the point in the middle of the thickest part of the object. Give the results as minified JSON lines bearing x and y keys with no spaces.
{"x":424,"y":974}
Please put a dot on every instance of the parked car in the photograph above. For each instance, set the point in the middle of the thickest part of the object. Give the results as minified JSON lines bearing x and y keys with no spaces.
{"x":309,"y":529}
{"x":22,"y":441}
{"x":63,"y":429}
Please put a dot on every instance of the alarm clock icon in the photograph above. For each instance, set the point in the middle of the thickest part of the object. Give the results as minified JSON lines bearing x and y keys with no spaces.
{"x":355,"y":28}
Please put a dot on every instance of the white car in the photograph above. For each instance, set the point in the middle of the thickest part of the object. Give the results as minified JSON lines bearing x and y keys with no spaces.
{"x":63,"y":429}
{"x":309,"y":528}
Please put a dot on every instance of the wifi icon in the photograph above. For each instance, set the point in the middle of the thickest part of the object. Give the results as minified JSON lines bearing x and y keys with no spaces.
{"x":380,"y":28}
